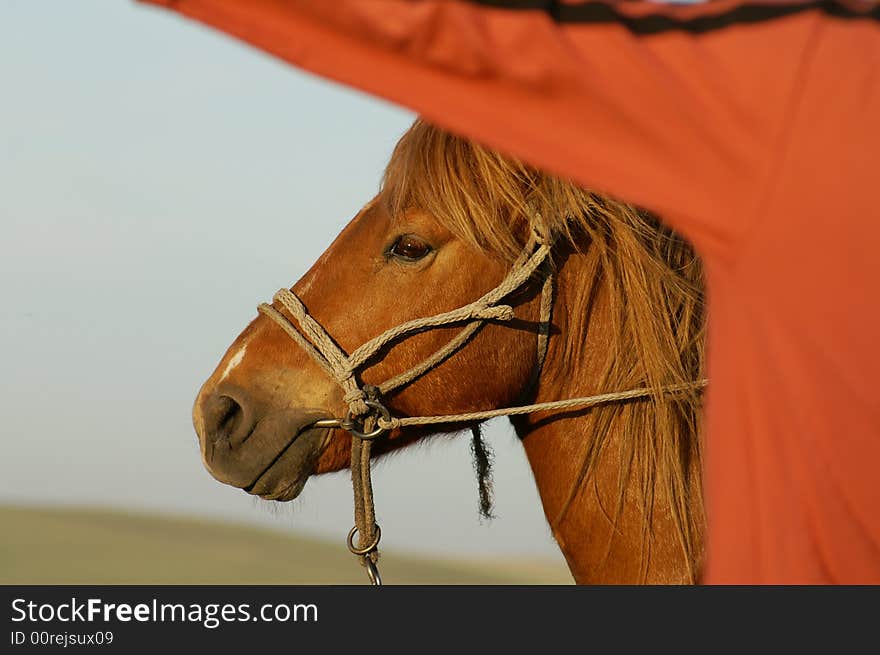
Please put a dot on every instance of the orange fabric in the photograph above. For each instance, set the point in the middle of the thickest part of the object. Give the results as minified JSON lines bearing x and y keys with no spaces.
{"x":759,"y":141}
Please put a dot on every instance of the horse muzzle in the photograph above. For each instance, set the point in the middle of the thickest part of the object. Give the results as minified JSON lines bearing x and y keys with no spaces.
{"x":264,"y":451}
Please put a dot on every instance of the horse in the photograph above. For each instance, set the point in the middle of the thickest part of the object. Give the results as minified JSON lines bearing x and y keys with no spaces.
{"x":619,"y":482}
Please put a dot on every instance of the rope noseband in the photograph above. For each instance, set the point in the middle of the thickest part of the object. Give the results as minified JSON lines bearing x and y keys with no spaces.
{"x":368,"y":418}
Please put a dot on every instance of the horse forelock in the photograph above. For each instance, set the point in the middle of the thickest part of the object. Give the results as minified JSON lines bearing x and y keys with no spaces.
{"x":650,"y":276}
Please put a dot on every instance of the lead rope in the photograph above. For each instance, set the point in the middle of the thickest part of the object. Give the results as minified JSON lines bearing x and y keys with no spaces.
{"x":368,"y":531}
{"x":367,"y":418}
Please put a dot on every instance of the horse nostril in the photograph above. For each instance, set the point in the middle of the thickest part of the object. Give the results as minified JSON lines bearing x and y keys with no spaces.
{"x":225,"y":420}
{"x":229,"y":415}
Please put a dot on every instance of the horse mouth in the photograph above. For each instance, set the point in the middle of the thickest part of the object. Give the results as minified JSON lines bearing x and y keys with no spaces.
{"x":274,"y":460}
{"x":285,"y":476}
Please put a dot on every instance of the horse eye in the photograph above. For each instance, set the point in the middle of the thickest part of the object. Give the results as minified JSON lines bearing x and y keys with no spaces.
{"x":410,"y":248}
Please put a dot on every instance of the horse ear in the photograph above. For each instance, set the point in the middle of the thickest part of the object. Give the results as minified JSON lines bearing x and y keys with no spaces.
{"x":482,"y":458}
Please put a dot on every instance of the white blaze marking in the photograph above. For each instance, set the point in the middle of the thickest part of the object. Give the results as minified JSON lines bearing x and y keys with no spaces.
{"x":234,"y":361}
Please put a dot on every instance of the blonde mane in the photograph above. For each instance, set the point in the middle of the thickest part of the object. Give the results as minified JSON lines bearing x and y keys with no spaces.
{"x":653,"y":281}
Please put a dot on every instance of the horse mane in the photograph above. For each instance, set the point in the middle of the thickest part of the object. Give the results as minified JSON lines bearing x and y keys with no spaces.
{"x":652,"y":279}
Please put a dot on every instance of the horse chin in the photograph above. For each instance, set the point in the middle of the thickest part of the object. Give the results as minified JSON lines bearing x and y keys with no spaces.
{"x":285,"y":479}
{"x":285,"y":493}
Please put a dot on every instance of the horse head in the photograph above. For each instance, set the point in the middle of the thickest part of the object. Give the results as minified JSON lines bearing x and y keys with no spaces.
{"x":450,"y":223}
{"x":255,"y":415}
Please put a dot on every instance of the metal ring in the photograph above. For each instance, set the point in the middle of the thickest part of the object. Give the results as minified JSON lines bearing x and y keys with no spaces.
{"x":383,"y":413}
{"x":373,"y":572}
{"x":369,"y":548}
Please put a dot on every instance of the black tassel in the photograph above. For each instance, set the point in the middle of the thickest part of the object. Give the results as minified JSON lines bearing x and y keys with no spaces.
{"x":483,"y":457}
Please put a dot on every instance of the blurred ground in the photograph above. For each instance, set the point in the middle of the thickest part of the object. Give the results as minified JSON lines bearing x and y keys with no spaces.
{"x":85,"y":546}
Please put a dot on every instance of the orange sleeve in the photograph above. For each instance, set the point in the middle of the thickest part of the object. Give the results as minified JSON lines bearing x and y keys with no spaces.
{"x":754,"y":129}
{"x":651,"y":104}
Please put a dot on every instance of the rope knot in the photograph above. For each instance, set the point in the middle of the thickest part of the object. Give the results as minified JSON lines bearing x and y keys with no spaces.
{"x":389,"y":423}
{"x":539,"y":229}
{"x":355,"y":399}
{"x":495,"y":313}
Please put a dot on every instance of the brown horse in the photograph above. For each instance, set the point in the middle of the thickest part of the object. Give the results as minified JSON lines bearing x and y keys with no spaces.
{"x":619,"y":483}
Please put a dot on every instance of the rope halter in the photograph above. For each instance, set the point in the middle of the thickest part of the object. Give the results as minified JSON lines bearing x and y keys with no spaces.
{"x":314,"y":339}
{"x":368,"y":418}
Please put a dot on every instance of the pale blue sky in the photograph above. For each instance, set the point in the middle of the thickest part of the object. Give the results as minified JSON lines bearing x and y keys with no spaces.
{"x":157,"y":181}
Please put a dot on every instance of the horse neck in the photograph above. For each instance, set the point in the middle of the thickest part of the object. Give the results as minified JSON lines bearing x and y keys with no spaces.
{"x":602,"y":540}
